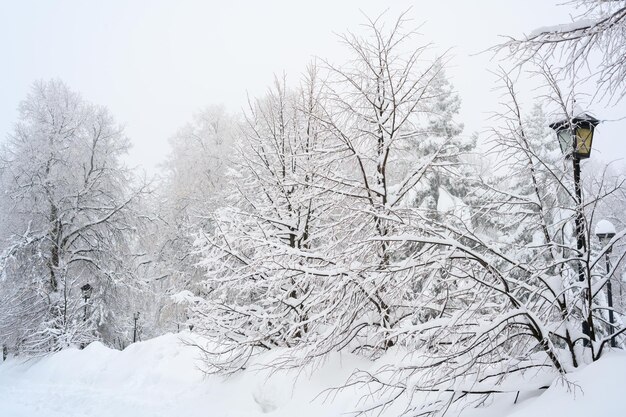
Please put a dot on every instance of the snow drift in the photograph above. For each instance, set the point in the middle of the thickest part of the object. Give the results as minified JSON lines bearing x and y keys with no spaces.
{"x":162,"y":377}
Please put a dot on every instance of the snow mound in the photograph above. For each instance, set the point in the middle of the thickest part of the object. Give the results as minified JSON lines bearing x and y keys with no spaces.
{"x":159,"y":377}
{"x":162,"y":377}
{"x":593,"y":391}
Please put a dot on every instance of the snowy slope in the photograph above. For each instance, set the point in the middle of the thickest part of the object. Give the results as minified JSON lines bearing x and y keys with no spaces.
{"x":593,"y":391}
{"x":160,"y":377}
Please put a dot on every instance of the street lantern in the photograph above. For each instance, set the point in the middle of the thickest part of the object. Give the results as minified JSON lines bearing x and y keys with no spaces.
{"x":86,"y":291}
{"x":576,"y":135}
{"x":605,"y":231}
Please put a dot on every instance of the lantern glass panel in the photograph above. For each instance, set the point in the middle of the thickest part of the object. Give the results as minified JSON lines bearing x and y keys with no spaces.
{"x":565,"y":141}
{"x":583,"y":141}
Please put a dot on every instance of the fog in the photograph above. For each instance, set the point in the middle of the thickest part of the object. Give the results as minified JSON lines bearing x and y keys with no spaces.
{"x":155,"y":63}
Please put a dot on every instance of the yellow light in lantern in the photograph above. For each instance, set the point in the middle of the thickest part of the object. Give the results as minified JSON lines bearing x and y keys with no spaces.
{"x":583,"y":141}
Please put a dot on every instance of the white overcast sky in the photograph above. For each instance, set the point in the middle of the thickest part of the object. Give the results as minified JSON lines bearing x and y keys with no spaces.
{"x":155,"y":62}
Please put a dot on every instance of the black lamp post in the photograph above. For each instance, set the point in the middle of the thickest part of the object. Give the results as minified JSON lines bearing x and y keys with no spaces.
{"x":605,"y":231}
{"x":135,"y":317}
{"x":86,"y":292}
{"x":575,"y":138}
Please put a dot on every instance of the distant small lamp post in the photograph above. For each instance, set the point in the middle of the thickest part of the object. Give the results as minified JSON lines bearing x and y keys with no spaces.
{"x":605,"y":231}
{"x":135,"y":317}
{"x":86,"y":291}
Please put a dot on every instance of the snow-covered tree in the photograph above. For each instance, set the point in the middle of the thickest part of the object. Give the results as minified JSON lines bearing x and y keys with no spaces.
{"x":395,"y":146}
{"x":325,"y":174}
{"x":259,"y":294}
{"x":598,"y":29}
{"x":515,"y":304}
{"x":194,"y":184}
{"x":196,"y":168}
{"x":69,"y":210}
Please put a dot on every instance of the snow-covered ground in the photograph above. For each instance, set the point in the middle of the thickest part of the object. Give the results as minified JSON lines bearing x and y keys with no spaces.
{"x":161,"y":377}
